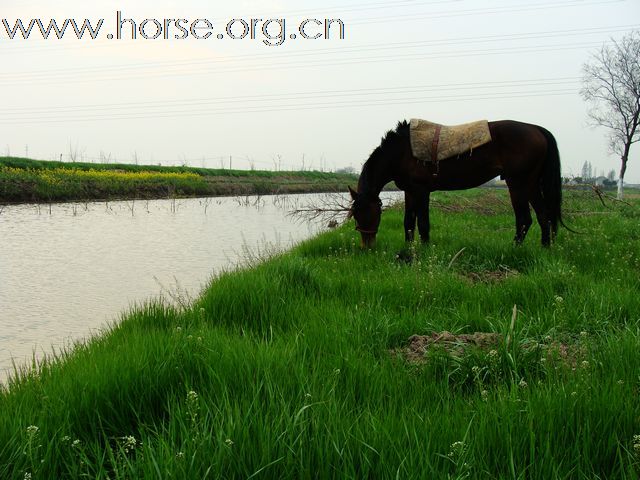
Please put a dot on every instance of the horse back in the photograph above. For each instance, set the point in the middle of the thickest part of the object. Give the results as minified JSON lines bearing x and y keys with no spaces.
{"x":516,"y":152}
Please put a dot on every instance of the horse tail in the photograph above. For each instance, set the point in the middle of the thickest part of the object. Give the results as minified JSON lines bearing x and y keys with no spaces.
{"x":552,"y":183}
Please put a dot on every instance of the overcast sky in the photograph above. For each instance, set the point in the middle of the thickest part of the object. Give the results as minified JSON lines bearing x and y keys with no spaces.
{"x":319,"y":103}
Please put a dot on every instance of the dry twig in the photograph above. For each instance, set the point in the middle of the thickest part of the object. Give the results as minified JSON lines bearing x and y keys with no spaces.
{"x":330,"y":208}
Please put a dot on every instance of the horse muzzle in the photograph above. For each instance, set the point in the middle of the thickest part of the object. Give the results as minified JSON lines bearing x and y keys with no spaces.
{"x":367,"y":238}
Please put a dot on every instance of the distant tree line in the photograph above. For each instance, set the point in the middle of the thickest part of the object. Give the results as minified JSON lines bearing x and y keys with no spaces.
{"x":588,"y":176}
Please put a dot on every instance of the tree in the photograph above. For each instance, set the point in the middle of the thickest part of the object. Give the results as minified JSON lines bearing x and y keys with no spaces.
{"x":611,"y":84}
{"x":587,"y":172}
{"x":348,"y":170}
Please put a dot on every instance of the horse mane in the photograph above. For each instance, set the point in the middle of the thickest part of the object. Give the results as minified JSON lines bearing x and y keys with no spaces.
{"x":392,"y":136}
{"x":391,"y":142}
{"x":391,"y":139}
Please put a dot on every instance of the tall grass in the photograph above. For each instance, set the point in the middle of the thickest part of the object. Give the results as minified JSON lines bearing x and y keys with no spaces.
{"x":294,"y":368}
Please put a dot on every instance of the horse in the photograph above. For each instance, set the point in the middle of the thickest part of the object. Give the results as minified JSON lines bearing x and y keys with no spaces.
{"x":524,"y":155}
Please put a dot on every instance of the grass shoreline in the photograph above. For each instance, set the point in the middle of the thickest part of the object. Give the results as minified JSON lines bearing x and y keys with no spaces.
{"x":286,"y":368}
{"x":32,"y":181}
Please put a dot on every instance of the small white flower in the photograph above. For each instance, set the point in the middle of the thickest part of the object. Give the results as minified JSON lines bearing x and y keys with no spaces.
{"x":27,"y":476}
{"x":32,"y":430}
{"x":229,"y":442}
{"x":192,"y":396}
{"x":457,"y":448}
{"x":128,"y":443}
{"x":180,"y":455}
{"x":584,"y":364}
{"x":75,"y":443}
{"x":559,"y":299}
{"x":66,"y":438}
{"x":583,"y":334}
{"x":484,"y":394}
{"x":523,"y":383}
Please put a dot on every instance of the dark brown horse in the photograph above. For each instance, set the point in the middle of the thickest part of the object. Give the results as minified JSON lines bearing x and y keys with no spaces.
{"x":524,"y":155}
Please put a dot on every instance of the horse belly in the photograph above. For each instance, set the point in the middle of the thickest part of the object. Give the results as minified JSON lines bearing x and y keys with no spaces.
{"x":466,"y":172}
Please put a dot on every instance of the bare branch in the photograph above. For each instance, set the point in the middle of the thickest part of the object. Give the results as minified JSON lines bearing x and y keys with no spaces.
{"x":331,"y":208}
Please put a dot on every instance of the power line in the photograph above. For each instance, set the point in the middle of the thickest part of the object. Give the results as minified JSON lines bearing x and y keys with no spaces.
{"x":484,"y":11}
{"x":394,"y":57}
{"x":299,"y":106}
{"x":279,"y":97}
{"x":359,"y":7}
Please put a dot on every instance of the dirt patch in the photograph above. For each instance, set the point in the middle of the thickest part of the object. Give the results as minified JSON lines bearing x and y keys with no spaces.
{"x":491,"y":276}
{"x":570,"y":353}
{"x":419,"y":345}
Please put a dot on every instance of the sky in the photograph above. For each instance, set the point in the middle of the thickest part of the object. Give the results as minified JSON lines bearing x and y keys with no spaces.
{"x":320,"y":104}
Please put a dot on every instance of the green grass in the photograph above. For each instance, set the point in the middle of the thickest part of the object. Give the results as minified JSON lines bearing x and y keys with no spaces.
{"x":294,"y":374}
{"x":26,"y":180}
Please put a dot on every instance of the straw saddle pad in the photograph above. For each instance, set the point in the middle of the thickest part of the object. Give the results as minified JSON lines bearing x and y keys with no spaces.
{"x":432,"y":142}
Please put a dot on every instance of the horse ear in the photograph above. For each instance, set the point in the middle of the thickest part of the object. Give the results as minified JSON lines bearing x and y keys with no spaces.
{"x":353,"y":193}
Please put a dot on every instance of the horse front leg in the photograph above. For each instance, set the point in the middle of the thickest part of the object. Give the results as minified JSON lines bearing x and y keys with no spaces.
{"x":423,"y":216}
{"x":409,"y":217}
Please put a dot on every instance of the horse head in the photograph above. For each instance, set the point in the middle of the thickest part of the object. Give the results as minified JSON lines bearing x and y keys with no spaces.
{"x":366,"y":211}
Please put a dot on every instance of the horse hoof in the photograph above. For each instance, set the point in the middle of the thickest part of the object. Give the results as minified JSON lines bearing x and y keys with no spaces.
{"x":405,"y":256}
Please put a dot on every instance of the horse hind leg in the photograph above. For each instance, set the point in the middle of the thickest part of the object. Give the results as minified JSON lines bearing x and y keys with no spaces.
{"x":520,"y":204}
{"x":537,"y":202}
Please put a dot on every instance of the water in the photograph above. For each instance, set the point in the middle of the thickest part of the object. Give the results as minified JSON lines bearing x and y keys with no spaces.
{"x":68,"y":270}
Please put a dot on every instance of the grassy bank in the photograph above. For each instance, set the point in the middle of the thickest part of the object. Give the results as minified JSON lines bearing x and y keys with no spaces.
{"x":25,"y":180}
{"x":301,"y":366}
